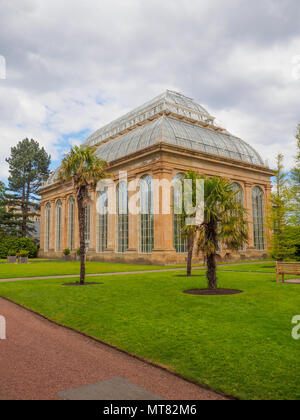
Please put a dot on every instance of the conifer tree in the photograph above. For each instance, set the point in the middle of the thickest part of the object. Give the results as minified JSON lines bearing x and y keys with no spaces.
{"x":282,"y":243}
{"x":295,"y":179}
{"x":28,"y":169}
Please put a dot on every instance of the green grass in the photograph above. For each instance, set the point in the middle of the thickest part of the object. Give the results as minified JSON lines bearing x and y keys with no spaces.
{"x":239,"y":344}
{"x":44,"y":267}
{"x":40,"y":268}
{"x":265,"y":267}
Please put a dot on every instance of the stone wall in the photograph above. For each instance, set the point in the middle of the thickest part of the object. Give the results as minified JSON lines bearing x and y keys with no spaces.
{"x":161,"y":162}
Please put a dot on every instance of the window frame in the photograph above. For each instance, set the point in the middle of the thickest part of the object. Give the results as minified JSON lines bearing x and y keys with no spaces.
{"x":58,"y":227}
{"x":258,"y":212}
{"x":71,"y":223}
{"x":146,"y":216}
{"x":122,"y":221}
{"x":47,"y":227}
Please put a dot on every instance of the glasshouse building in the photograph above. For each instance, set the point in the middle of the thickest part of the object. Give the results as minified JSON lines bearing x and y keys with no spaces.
{"x":157,"y":141}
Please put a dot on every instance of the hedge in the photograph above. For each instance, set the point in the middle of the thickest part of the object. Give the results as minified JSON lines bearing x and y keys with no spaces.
{"x":17,"y":244}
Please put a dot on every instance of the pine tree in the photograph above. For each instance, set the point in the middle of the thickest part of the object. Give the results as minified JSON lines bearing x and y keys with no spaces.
{"x":7,"y":217}
{"x":296,"y":169}
{"x":28,"y":169}
{"x":282,"y":242}
{"x":295,"y":180}
{"x":295,"y":190}
{"x":2,"y":209}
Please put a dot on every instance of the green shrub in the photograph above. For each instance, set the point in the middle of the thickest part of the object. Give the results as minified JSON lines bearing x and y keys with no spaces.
{"x":78,"y":252}
{"x":23,"y":253}
{"x":67,"y":251}
{"x":11,"y":253}
{"x":17,"y":244}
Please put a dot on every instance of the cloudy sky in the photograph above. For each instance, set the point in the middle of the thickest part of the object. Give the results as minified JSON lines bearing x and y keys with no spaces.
{"x":74,"y":65}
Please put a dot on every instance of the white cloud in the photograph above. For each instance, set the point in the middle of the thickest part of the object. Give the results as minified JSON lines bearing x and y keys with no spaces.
{"x":73,"y":66}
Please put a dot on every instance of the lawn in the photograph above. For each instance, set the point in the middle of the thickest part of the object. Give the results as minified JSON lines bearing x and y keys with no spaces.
{"x":239,"y":344}
{"x":40,"y":268}
{"x":265,"y":267}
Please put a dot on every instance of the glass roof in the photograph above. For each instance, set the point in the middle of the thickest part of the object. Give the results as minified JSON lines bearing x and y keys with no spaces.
{"x":168,"y":101}
{"x":179,"y":133}
{"x":171,"y":118}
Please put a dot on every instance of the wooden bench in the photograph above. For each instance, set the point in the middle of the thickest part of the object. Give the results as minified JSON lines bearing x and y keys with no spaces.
{"x":283,"y":268}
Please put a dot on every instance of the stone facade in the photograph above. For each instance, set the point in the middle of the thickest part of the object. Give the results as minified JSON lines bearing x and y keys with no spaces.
{"x":161,"y":160}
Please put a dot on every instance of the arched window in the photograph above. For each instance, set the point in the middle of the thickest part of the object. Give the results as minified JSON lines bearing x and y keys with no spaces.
{"x":122,"y":217}
{"x":180,"y":243}
{"x":47,"y":226}
{"x":240,"y":198}
{"x":58,"y":226}
{"x":240,"y":195}
{"x":146,"y":215}
{"x":258,"y":218}
{"x":71,"y":224}
{"x":87,"y":214}
{"x":102,"y":221}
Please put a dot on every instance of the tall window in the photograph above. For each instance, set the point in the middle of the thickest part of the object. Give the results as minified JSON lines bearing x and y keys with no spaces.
{"x":240,"y":195}
{"x":258,"y":218}
{"x":47,"y":226}
{"x":146,"y":215}
{"x":102,"y":221}
{"x":240,"y":198}
{"x":87,"y":215}
{"x":71,"y":224}
{"x":58,"y":225}
{"x":122,"y":217}
{"x":180,"y":243}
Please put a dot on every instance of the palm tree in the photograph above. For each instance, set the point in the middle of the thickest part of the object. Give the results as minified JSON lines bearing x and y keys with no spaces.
{"x":189,"y":232}
{"x":84,"y":169}
{"x":224,"y":222}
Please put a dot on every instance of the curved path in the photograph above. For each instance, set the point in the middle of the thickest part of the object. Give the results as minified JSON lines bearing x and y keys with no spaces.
{"x":40,"y":359}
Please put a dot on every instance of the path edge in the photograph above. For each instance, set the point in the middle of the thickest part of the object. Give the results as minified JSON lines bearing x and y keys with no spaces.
{"x":111,"y":346}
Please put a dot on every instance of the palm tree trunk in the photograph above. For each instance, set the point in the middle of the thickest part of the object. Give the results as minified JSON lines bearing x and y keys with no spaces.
{"x":190,"y":251}
{"x":212,"y":271}
{"x":211,"y":274}
{"x":81,"y":220}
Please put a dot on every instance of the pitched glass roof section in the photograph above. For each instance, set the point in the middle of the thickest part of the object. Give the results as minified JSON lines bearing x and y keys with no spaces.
{"x":179,"y":133}
{"x":170,"y":118}
{"x":167,"y":102}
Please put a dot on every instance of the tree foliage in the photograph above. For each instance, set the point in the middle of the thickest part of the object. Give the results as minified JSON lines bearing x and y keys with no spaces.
{"x":295,"y":182}
{"x":224,"y":221}
{"x":9,"y":244}
{"x":28,"y":169}
{"x":282,"y":244}
{"x":84,"y":169}
{"x":189,"y":231}
{"x":294,"y":220}
{"x":284,"y":220}
{"x":2,"y":208}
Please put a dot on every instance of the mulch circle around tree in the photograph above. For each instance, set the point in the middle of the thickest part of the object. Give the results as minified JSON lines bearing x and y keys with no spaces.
{"x":85,"y":284}
{"x":208,"y":292}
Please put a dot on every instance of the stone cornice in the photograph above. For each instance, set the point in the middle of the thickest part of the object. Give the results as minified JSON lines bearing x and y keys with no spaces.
{"x":176,"y":150}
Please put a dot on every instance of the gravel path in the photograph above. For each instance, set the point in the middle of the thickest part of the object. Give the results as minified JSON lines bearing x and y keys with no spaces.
{"x":39,"y":359}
